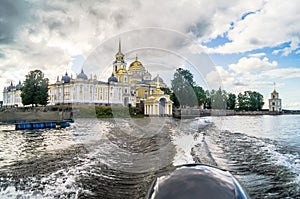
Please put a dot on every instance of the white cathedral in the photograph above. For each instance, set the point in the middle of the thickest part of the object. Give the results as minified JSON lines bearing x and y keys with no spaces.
{"x":133,"y":86}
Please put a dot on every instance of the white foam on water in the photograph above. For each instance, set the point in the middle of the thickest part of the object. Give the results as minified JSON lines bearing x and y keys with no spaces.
{"x":290,"y":161}
{"x":184,"y":141}
{"x":61,"y":183}
{"x":183,"y":144}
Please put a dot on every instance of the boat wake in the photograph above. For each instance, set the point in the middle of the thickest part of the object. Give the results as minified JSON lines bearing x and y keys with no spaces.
{"x":266,"y":168}
{"x":120,"y":158}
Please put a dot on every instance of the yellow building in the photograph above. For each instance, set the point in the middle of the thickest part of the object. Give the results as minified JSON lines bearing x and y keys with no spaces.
{"x":124,"y":87}
{"x":158,"y":103}
{"x":140,"y":80}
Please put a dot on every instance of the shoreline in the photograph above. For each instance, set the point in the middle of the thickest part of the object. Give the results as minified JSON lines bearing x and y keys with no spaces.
{"x":190,"y":113}
{"x":57,"y":115}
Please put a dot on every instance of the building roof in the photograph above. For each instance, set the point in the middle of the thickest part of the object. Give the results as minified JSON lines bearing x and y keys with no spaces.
{"x":19,"y":86}
{"x":82,"y":75}
{"x":66,"y":78}
{"x":112,"y":78}
{"x":160,"y":79}
{"x":11,"y":87}
{"x":147,"y":74}
{"x":136,"y":65}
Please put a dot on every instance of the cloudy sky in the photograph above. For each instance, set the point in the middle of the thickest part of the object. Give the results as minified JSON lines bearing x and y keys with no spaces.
{"x":248,"y":45}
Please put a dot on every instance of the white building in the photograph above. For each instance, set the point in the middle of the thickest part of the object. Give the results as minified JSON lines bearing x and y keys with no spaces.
{"x":82,"y":90}
{"x":12,"y":95}
{"x":275,"y":103}
{"x":123,"y":87}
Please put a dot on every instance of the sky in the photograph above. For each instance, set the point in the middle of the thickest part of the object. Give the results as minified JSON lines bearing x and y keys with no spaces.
{"x":235,"y":45}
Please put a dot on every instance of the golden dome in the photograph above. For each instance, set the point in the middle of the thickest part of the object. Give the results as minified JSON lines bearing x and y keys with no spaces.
{"x":121,"y":71}
{"x":136,"y":65}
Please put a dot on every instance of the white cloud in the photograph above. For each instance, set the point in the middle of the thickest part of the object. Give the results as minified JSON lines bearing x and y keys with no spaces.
{"x":251,"y":64}
{"x":219,"y":77}
{"x":258,"y":55}
{"x":272,"y":24}
{"x":251,"y":73}
{"x":53,"y":32}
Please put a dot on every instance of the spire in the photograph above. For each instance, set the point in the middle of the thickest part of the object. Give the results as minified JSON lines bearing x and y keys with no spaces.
{"x":274,"y":86}
{"x":136,"y":57}
{"x":119,"y":55}
{"x":119,"y":45}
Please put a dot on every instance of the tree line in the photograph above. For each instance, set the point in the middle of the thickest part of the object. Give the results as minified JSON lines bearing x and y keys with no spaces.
{"x":185,"y":92}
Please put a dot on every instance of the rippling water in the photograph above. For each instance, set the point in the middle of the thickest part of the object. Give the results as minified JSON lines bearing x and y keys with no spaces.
{"x":118,"y":158}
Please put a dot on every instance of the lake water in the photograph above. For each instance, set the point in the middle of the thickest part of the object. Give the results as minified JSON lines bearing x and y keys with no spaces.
{"x":119,"y":158}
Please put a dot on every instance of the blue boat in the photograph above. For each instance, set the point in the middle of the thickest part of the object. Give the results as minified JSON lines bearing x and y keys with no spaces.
{"x":41,"y":125}
{"x":64,"y":124}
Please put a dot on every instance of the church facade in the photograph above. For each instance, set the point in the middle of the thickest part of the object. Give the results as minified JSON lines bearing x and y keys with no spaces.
{"x":126,"y":86}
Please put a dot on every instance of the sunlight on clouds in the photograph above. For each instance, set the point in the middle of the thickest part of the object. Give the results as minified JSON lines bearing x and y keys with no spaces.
{"x":242,"y":76}
{"x":251,"y":64}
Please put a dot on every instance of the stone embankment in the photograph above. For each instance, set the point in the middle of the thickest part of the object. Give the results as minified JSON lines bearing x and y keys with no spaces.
{"x":18,"y":117}
{"x":193,"y":112}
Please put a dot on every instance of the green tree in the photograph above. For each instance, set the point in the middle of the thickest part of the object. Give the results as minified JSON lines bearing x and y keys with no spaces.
{"x":166,"y":90}
{"x":35,"y":89}
{"x":256,"y":101}
{"x":172,"y":96}
{"x":231,"y":101}
{"x":200,"y":94}
{"x":183,"y":88}
{"x":218,"y":99}
{"x":250,"y":101}
{"x":242,"y":102}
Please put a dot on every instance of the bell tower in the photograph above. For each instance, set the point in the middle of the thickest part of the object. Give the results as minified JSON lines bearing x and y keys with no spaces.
{"x":275,"y":104}
{"x":119,"y":63}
